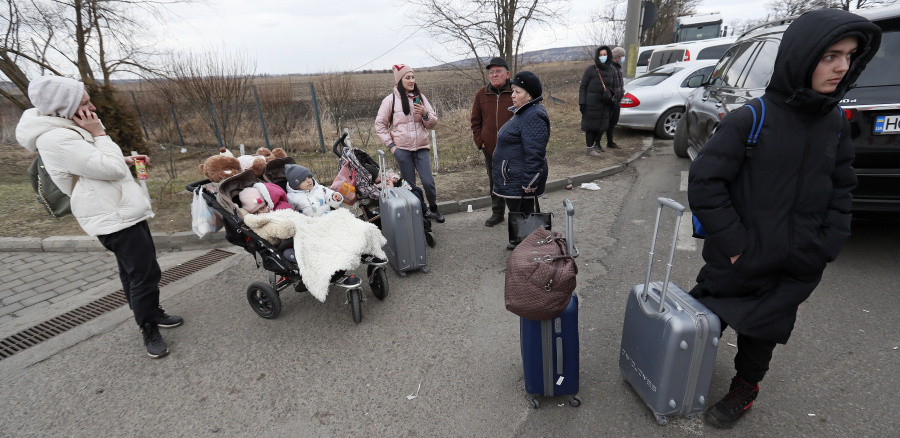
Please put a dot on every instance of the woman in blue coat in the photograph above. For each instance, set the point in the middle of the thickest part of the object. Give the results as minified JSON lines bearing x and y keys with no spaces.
{"x":520,"y":159}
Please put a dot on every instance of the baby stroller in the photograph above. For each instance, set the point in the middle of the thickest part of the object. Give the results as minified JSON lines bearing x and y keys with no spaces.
{"x":366,"y":189}
{"x":264,"y":297}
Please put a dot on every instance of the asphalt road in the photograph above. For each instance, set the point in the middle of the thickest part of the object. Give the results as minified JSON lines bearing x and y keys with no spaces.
{"x":313,"y":372}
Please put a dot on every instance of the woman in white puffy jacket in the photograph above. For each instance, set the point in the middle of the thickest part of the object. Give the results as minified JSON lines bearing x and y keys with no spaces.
{"x":89,"y":167}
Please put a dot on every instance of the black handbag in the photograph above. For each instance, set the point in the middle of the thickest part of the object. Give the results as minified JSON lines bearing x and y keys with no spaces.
{"x":48,"y":194}
{"x":521,"y":225}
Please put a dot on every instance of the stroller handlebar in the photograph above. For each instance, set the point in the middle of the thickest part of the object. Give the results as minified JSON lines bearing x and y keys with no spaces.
{"x":340,"y":141}
{"x":192,"y":187}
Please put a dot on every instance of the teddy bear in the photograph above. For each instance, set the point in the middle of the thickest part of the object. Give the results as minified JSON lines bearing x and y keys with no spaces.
{"x":219,"y":167}
{"x":271,"y":155}
{"x":256,"y":163}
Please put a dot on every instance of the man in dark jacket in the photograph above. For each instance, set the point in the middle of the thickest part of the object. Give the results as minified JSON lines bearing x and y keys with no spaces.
{"x":618,"y":55}
{"x":595,"y":98}
{"x":777,"y":213}
{"x":489,"y":112}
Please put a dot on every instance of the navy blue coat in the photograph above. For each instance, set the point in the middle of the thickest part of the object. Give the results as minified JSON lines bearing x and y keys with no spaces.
{"x":786,"y":208}
{"x":520,"y":159}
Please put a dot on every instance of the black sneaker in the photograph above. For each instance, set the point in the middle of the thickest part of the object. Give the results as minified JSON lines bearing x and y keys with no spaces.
{"x":613,"y":146}
{"x":347,"y":282}
{"x":168,"y":321}
{"x":512,"y":246}
{"x":493,"y":220}
{"x":369,"y":259}
{"x":436,"y":215}
{"x":726,"y":413}
{"x":156,"y":347}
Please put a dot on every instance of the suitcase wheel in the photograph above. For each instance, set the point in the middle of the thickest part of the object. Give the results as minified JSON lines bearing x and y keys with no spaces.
{"x":429,"y":239}
{"x":535,"y":403}
{"x":425,"y":269}
{"x":575,"y":401}
{"x":661,"y":420}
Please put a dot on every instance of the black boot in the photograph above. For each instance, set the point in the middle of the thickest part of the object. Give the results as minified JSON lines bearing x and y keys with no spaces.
{"x":433,"y":213}
{"x":726,"y":413}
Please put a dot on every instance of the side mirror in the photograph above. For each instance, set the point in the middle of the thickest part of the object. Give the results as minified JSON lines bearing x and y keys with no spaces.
{"x":695,"y":81}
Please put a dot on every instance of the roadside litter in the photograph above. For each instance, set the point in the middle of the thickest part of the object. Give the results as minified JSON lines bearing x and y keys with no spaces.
{"x":590,"y":186}
{"x":414,"y":395}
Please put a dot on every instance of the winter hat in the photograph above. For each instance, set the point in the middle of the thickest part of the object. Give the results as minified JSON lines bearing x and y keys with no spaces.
{"x":56,"y":95}
{"x":529,"y":82}
{"x":499,"y":62}
{"x":264,"y":191}
{"x":399,"y":71}
{"x":251,"y":199}
{"x":295,"y":174}
{"x":618,"y":52}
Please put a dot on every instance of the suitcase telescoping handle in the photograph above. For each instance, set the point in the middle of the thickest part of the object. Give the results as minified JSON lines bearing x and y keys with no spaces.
{"x":662,"y":295}
{"x":381,"y":169}
{"x":570,"y":229}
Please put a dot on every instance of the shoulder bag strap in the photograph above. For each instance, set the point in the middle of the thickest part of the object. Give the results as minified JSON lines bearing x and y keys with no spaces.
{"x":601,"y":78}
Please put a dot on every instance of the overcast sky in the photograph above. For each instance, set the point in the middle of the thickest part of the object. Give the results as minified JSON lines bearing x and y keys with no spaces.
{"x":307,"y":36}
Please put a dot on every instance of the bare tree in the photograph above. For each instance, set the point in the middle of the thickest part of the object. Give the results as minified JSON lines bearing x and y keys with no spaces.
{"x":669,"y":11}
{"x":481,"y":28}
{"x":336,"y":93}
{"x":738,"y":27}
{"x":864,"y":4}
{"x":789,"y":8}
{"x":215,"y":84}
{"x":282,"y":114}
{"x":606,"y":26}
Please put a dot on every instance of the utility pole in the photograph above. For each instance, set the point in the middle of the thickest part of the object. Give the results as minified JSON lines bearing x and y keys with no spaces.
{"x":632,"y":34}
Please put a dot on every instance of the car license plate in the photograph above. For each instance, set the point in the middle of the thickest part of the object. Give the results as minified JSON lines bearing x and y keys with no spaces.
{"x":887,"y":125}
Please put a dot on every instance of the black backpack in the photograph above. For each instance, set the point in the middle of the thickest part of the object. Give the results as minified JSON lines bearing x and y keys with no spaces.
{"x":48,"y":194}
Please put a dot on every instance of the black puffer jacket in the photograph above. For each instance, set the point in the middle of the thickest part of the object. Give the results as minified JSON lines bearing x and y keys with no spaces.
{"x":785,"y":209}
{"x":520,"y":158}
{"x":596,"y":94}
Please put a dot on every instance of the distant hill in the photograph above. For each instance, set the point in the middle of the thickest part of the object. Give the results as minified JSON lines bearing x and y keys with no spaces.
{"x":559,"y":54}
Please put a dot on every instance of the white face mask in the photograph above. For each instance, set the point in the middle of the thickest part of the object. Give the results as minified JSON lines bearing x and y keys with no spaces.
{"x":602,"y":59}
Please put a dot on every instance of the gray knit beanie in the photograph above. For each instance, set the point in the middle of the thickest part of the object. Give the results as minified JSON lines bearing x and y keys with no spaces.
{"x":295,"y":174}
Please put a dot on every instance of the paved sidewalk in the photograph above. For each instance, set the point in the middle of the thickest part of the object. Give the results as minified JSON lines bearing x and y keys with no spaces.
{"x":34,"y":280}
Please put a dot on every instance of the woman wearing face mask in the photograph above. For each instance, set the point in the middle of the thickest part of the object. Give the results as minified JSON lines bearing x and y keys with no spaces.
{"x":402,"y":125}
{"x":595,"y":99}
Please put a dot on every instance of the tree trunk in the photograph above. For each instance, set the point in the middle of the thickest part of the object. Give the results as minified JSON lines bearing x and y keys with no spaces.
{"x":84,"y":68}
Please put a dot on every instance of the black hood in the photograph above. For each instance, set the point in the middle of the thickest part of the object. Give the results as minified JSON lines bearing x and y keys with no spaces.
{"x":608,"y":57}
{"x":802,"y":46}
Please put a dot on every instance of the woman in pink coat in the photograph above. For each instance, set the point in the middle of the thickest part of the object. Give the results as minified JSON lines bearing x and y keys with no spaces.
{"x":402,"y":125}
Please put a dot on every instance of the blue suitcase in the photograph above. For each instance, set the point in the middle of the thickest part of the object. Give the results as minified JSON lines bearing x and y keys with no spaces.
{"x":550,"y":350}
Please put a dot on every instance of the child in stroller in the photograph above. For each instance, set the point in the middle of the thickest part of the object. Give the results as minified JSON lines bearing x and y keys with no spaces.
{"x":368,"y":180}
{"x":264,"y":297}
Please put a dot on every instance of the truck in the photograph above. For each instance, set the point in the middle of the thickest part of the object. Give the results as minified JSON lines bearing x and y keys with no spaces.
{"x":698,"y":27}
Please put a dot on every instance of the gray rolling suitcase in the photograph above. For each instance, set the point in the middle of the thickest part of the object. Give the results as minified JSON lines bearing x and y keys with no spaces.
{"x":403,"y":226}
{"x":669,"y":341}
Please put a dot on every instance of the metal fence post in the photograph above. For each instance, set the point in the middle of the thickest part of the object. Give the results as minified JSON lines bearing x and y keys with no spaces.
{"x":312,"y":91}
{"x":140,"y":117}
{"x":177,"y":128}
{"x":215,"y":122}
{"x":262,"y":121}
{"x":348,"y":140}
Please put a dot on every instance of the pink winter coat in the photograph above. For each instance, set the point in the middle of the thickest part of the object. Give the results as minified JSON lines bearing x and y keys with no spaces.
{"x":275,"y":197}
{"x":410,"y":132}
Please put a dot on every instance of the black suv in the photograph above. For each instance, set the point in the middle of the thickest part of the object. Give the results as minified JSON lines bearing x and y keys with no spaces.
{"x":872,"y":107}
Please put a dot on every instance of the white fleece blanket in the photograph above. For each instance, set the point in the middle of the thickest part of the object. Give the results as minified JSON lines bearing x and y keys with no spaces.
{"x":323,"y":245}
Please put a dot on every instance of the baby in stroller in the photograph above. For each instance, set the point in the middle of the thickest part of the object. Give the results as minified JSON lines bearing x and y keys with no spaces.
{"x":306,"y":195}
{"x":368,"y":185}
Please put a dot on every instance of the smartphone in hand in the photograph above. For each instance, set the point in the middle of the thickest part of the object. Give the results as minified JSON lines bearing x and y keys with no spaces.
{"x":417,"y":100}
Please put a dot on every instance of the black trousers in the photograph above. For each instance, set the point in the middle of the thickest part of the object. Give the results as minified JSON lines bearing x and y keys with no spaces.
{"x":497,"y":204}
{"x":613,"y":121}
{"x":592,"y":138}
{"x":138,"y":269}
{"x":753,"y":356}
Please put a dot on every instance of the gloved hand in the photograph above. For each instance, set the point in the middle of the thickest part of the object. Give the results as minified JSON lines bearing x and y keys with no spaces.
{"x":581,"y":108}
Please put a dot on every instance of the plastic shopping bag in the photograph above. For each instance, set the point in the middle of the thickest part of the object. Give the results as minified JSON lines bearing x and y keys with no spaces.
{"x":345,"y":184}
{"x":204,"y":219}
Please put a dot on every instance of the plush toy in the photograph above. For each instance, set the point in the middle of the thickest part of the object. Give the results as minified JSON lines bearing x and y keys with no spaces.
{"x":225,"y":152}
{"x":219,"y":167}
{"x":271,"y":155}
{"x":255,"y":163}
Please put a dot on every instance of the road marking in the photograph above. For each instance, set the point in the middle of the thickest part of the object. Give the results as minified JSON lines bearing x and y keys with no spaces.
{"x":684,"y":180}
{"x":686,"y":240}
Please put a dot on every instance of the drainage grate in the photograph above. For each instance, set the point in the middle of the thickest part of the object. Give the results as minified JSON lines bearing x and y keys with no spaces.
{"x":69,"y":320}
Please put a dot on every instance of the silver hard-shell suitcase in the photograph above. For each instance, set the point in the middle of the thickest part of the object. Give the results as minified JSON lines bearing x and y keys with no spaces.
{"x":403,"y":225}
{"x":669,"y":341}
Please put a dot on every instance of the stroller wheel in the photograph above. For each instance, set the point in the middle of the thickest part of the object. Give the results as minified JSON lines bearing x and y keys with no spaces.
{"x":378,"y":282}
{"x":429,"y":239}
{"x":355,"y":305}
{"x":264,"y":300}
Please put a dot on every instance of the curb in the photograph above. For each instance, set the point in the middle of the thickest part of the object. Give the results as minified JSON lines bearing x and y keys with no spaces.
{"x":187,"y":240}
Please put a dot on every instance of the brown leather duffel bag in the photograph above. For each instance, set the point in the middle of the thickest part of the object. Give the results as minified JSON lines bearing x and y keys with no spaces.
{"x":540,"y":276}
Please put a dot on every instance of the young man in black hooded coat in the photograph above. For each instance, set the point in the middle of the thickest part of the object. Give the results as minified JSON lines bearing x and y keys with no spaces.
{"x":775,"y":216}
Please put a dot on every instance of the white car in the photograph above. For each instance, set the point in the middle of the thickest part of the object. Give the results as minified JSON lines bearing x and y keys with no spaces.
{"x":655,"y":101}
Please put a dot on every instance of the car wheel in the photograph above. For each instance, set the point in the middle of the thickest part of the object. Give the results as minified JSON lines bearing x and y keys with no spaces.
{"x":681,"y":138}
{"x":668,"y":123}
